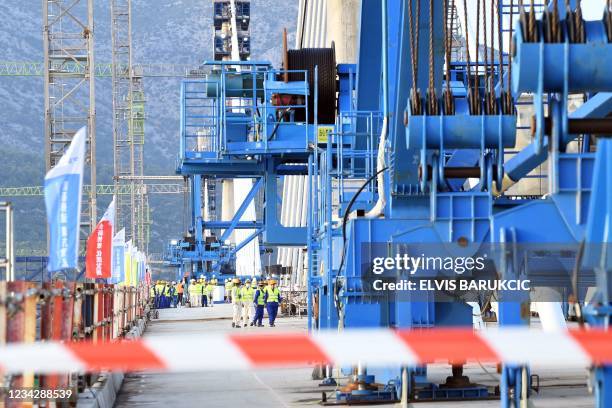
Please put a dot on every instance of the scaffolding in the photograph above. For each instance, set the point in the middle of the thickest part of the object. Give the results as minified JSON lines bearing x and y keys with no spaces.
{"x":68,"y":40}
{"x":102,"y":70}
{"x":128,"y":129}
{"x":101,"y":189}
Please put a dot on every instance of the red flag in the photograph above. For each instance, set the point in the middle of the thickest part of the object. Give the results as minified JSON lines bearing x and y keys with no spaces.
{"x":98,"y":261}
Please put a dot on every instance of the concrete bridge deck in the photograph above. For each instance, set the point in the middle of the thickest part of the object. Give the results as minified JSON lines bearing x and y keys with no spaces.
{"x":293,"y":387}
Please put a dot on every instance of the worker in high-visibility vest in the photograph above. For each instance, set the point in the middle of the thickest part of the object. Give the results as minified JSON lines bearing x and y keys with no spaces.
{"x":227,"y":297}
{"x":210,"y":292}
{"x":194,"y":298}
{"x":159,"y":289}
{"x":174,"y":294}
{"x":152,"y":293}
{"x":259,"y":302}
{"x":203,"y":294}
{"x":161,"y":294}
{"x":236,"y":303}
{"x":179,"y":293}
{"x":247,"y":293}
{"x":168,"y":291}
{"x":273,"y":299}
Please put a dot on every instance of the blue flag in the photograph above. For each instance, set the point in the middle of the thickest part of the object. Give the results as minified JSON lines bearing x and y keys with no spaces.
{"x":63,"y":189}
{"x":118,"y":257}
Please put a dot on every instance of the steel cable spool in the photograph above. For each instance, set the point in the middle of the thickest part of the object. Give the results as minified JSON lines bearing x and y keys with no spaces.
{"x":306,"y":59}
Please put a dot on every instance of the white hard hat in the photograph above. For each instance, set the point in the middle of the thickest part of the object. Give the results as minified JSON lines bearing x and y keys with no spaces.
{"x":254,"y":281}
{"x":201,"y":276}
{"x":174,"y":282}
{"x":214,"y":275}
{"x":192,"y":280}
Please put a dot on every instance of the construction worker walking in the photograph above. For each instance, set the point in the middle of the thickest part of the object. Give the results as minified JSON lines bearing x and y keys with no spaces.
{"x":179,"y":293}
{"x":167,"y":295}
{"x":273,"y":298}
{"x":194,"y":299}
{"x":173,"y":294}
{"x":228,"y":289}
{"x":259,"y":302}
{"x":159,"y":291}
{"x":210,"y":291}
{"x":203,"y":295}
{"x":247,"y":294}
{"x":236,"y":303}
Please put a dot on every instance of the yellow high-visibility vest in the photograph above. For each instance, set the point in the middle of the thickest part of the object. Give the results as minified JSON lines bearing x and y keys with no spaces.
{"x":273,"y":294}
{"x":260,"y":297}
{"x":236,"y":293}
{"x":247,"y":294}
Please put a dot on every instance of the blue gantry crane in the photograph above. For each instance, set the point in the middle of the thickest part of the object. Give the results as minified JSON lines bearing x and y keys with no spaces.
{"x":427,"y":147}
{"x":406,"y":152}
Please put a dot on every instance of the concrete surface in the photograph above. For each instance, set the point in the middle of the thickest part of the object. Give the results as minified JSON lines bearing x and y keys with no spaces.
{"x":293,"y":387}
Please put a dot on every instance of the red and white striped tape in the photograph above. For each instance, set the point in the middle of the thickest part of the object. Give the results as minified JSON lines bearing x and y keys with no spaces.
{"x":284,"y":349}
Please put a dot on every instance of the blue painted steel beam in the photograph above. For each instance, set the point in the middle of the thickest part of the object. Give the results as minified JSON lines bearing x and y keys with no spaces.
{"x":246,"y":241}
{"x":230,"y":169}
{"x":239,"y":225}
{"x":196,"y":208}
{"x":245,"y":204}
{"x":598,"y":106}
{"x":526,"y":160}
{"x":237,"y":169}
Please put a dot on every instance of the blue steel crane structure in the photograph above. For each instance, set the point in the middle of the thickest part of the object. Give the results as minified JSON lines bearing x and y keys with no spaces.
{"x":437,"y":132}
{"x":236,"y":124}
{"x":415,"y":163}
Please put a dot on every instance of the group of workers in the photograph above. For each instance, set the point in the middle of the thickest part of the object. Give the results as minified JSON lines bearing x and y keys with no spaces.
{"x":167,"y":294}
{"x":201,"y":292}
{"x":249,"y":299}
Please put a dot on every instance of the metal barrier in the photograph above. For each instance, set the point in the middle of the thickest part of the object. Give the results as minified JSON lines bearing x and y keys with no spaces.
{"x":199,"y":118}
{"x":67,"y":312}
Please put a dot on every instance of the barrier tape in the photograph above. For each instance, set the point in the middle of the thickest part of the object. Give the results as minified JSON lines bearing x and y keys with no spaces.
{"x":285,"y":349}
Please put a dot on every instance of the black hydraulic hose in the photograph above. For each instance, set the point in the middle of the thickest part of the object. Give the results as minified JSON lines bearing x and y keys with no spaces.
{"x":285,"y":112}
{"x":348,"y":211}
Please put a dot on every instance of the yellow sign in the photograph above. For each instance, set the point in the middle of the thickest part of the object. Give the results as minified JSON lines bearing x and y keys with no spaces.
{"x":323,"y":133}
